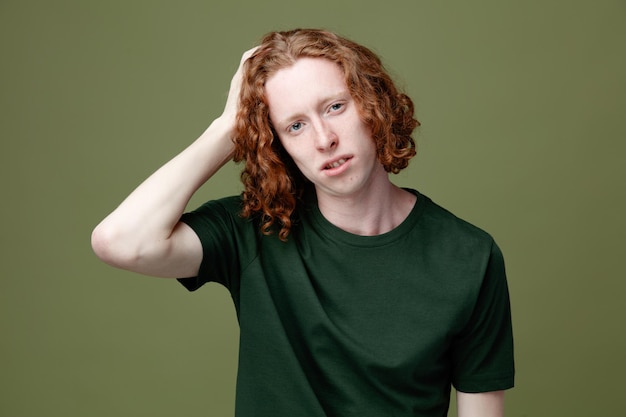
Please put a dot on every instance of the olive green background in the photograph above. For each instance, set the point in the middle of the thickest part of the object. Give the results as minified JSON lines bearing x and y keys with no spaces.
{"x":523,"y":110}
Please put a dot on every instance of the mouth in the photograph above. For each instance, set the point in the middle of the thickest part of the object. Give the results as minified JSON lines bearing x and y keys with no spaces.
{"x":336,"y":164}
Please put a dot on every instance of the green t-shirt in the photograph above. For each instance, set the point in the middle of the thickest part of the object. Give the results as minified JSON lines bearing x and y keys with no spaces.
{"x":335,"y":324}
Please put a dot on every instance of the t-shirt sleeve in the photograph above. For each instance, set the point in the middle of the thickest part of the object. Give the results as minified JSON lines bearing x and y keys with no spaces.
{"x":483,"y":352}
{"x":216,"y":227}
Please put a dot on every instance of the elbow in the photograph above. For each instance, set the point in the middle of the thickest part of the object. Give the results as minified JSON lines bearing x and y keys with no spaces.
{"x":111,"y":248}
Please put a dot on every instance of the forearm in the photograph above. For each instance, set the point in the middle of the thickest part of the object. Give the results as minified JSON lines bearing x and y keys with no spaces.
{"x":150,"y":213}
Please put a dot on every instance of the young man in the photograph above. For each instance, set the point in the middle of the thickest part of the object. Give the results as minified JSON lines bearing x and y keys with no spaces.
{"x":354,"y":297}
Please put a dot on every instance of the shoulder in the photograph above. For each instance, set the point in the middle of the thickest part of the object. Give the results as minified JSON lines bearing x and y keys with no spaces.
{"x":231,"y":204}
{"x":442,"y":220}
{"x":225,"y":211}
{"x":447,"y":235}
{"x":228,"y":240}
{"x":219,"y":222}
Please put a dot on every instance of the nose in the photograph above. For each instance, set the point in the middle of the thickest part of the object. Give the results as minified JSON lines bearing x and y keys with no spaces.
{"x":325,"y":137}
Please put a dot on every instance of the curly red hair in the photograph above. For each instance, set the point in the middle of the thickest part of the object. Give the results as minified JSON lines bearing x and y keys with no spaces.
{"x":273,"y":185}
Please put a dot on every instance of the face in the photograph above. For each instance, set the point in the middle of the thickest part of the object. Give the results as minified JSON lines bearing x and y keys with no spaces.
{"x":318,"y":124}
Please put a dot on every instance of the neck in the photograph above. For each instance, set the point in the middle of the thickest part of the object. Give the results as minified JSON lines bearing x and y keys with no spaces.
{"x":370,"y":214}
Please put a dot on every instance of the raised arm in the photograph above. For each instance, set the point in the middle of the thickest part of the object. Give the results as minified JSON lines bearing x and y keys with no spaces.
{"x":143,"y":234}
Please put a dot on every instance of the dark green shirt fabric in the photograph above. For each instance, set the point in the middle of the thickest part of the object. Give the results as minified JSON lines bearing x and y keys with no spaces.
{"x":335,"y":324}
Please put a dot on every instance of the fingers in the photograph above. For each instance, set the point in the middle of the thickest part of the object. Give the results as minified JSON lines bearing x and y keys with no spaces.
{"x":235,"y":83}
{"x":247,"y":55}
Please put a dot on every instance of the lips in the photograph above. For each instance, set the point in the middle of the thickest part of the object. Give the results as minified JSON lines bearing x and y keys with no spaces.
{"x":336,"y":163}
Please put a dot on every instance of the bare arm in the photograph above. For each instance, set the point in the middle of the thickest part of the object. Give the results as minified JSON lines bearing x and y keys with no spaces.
{"x":143,"y":234}
{"x":484,"y":404}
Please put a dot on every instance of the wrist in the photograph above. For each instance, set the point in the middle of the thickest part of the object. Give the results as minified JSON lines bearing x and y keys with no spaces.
{"x":220,"y":130}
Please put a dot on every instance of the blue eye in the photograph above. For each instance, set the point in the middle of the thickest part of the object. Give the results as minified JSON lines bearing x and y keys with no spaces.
{"x":336,"y":106}
{"x":295,"y":127}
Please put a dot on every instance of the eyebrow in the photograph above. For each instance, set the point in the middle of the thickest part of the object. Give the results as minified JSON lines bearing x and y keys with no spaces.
{"x":341,"y":95}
